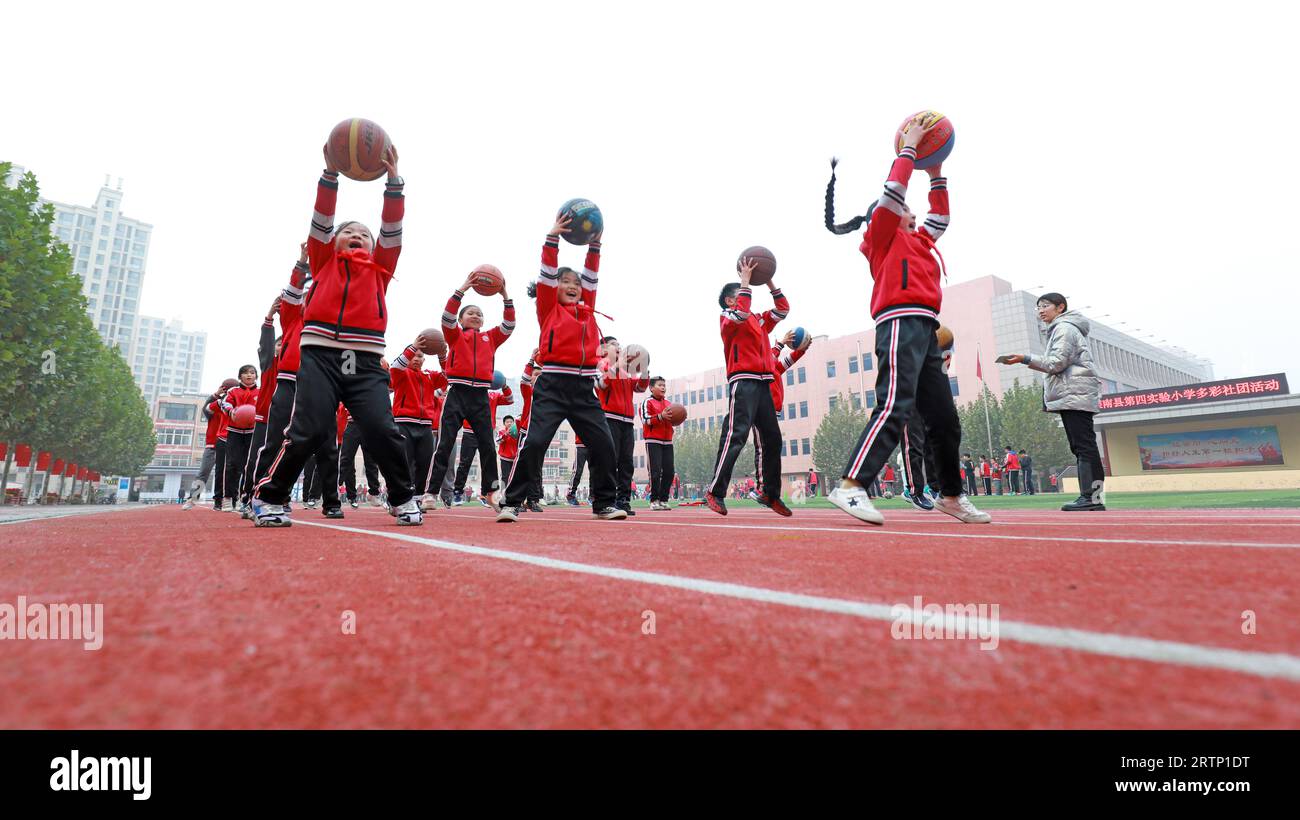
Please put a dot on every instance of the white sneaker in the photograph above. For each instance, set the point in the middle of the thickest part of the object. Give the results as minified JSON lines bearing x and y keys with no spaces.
{"x":492,"y":501}
{"x":427,"y":501}
{"x":374,"y":500}
{"x":270,"y":515}
{"x":188,"y":505}
{"x":961,"y":509}
{"x":408,"y":514}
{"x":854,"y":501}
{"x":508,"y":515}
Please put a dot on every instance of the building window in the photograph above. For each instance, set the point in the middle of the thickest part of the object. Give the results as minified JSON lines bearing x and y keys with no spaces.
{"x":857,"y":398}
{"x":866,"y":362}
{"x":870,"y":399}
{"x":803,"y":409}
{"x":853,"y":365}
{"x":807,"y":449}
{"x":953,"y":384}
{"x":789,"y":377}
{"x":830,"y":369}
{"x":794,"y":446}
{"x":803,"y":375}
{"x":782,"y":448}
{"x":791,"y":414}
{"x":833,"y":401}
{"x":710,"y":393}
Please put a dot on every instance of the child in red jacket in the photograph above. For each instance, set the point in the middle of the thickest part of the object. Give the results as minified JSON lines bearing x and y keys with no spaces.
{"x":507,"y":441}
{"x":413,"y":398}
{"x":342,"y":342}
{"x":905,"y":301}
{"x":566,"y":305}
{"x":532,"y":370}
{"x":614,"y":387}
{"x":658,"y":435}
{"x":239,"y":436}
{"x":471,"y":360}
{"x":749,"y":375}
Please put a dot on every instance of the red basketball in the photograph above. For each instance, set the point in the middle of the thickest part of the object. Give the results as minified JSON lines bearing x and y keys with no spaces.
{"x":936,"y":145}
{"x":229,"y":383}
{"x":244,"y":416}
{"x":675,"y":414}
{"x":766,"y":267}
{"x":487,"y":280}
{"x":434,"y":344}
{"x":357,"y":148}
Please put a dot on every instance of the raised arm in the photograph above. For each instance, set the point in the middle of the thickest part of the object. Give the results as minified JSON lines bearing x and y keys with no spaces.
{"x":388,"y":245}
{"x":266,"y":339}
{"x":502,"y":331}
{"x":888,"y":212}
{"x":591,"y":273}
{"x":320,"y":241}
{"x":777,"y":314}
{"x":450,"y":324}
{"x":936,"y":221}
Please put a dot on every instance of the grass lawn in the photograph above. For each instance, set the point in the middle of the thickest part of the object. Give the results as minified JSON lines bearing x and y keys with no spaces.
{"x":1114,"y":501}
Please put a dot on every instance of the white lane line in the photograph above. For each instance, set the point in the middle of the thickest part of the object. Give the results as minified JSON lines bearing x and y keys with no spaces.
{"x":885,"y":531}
{"x":1271,"y":665}
{"x":56,"y":516}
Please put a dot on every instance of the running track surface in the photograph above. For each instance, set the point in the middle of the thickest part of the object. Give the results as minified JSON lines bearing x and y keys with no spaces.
{"x":1129,"y":619}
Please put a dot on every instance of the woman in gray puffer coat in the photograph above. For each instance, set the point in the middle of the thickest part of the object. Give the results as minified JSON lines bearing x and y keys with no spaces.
{"x":1071,"y":388}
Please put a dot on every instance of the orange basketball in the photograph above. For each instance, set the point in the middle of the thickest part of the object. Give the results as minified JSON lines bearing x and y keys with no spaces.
{"x":944,"y":335}
{"x":357,"y":148}
{"x":434,"y":343}
{"x":488,"y":280}
{"x":675,"y":414}
{"x":936,"y":145}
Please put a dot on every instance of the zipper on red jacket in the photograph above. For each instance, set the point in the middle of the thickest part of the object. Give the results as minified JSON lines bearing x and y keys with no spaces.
{"x":344,"y":303}
{"x":904,"y":274}
{"x":379,"y":303}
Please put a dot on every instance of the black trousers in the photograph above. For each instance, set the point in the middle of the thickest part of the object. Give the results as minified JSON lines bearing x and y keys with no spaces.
{"x":910,"y":375}
{"x":419,"y":452}
{"x":250,"y":463}
{"x":1083,"y":441}
{"x":348,"y":463}
{"x":445,"y":489}
{"x":1013,"y":478}
{"x":749,"y":405}
{"x":237,"y":447}
{"x":507,"y":464}
{"x":277,"y":424}
{"x":219,"y":480}
{"x":579,"y":463}
{"x":624,"y":435}
{"x":661,"y":468}
{"x":320,"y":476}
{"x":327,"y":376}
{"x":464,"y":403}
{"x":557,"y":397}
{"x":972,"y":483}
{"x":988,"y":485}
{"x":535,"y":490}
{"x":1028,"y":473}
{"x":918,"y":455}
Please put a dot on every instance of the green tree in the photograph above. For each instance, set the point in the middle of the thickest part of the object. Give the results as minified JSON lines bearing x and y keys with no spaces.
{"x":1028,"y":427}
{"x":836,"y":437}
{"x":975,"y":430}
{"x":695,"y":453}
{"x":61,"y":389}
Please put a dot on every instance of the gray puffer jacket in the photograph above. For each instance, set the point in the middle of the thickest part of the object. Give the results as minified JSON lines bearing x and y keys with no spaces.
{"x":1071,"y":382}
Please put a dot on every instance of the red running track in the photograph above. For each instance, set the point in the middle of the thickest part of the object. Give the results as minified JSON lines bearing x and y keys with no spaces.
{"x":1125,"y":619}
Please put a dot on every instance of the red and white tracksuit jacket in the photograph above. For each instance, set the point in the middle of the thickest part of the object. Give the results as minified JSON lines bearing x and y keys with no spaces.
{"x":270,"y":370}
{"x":471,"y":354}
{"x":219,"y":413}
{"x":291,"y":299}
{"x":496,"y":398}
{"x":213,"y":410}
{"x":413,"y":390}
{"x":905,"y":265}
{"x":507,"y":445}
{"x":744,"y":336}
{"x":570,"y":337}
{"x":526,"y":390}
{"x":614,"y":388}
{"x":237,"y":397}
{"x":783,"y":362}
{"x":346,"y":308}
{"x":655,"y":430}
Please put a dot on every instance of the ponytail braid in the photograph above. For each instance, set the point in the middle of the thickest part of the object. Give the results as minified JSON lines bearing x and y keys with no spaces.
{"x":854,"y":223}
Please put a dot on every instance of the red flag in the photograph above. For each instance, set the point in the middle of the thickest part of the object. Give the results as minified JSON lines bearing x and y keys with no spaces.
{"x":979,"y":372}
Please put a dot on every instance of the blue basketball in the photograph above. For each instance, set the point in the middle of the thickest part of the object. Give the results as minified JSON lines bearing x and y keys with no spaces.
{"x":587,"y":220}
{"x":800,"y":338}
{"x":498,"y":380}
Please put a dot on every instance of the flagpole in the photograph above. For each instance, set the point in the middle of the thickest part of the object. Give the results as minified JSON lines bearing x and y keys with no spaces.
{"x":988,"y":428}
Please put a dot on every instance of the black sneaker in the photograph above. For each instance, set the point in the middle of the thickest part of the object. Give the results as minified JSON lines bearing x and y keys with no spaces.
{"x":533,"y":506}
{"x":626,"y":506}
{"x":610,"y":514}
{"x":332,"y":512}
{"x":572,"y":501}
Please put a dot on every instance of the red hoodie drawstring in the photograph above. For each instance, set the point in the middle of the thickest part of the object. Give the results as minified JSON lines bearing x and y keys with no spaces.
{"x":943,"y":269}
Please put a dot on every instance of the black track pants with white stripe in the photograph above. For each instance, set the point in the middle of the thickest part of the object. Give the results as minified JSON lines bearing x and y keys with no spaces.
{"x":419,"y":452}
{"x":556,"y":397}
{"x":579,"y":463}
{"x":749,"y":405}
{"x":250,"y":463}
{"x":661,"y":469}
{"x":918,"y":454}
{"x":326,"y":377}
{"x":624,"y":436}
{"x":465,"y":403}
{"x":910,"y":377}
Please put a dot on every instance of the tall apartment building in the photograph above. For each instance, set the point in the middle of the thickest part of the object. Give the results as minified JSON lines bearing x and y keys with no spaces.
{"x":165,"y":358}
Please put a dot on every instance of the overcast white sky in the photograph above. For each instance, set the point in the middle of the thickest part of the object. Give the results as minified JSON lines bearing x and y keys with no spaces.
{"x":1133,"y":156}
